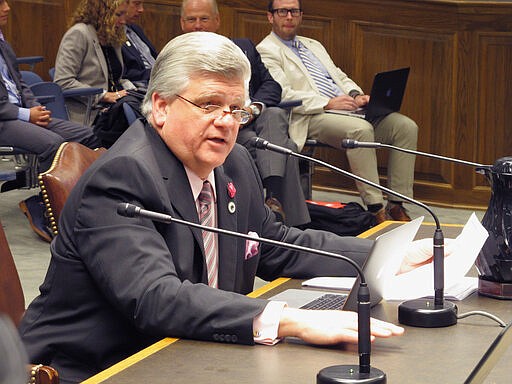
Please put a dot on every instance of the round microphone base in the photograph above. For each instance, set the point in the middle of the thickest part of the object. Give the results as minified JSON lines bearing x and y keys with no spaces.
{"x":424,"y":313}
{"x":349,"y":374}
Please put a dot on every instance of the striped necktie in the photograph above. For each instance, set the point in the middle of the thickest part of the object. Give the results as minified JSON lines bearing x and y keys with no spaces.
{"x":323,"y":83}
{"x":205,"y":199}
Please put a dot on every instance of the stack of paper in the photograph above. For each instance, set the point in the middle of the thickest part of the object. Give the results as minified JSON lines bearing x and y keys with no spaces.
{"x":460,"y":257}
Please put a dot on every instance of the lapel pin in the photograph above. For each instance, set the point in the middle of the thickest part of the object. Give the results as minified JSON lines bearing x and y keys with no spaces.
{"x":231,"y":190}
{"x":231,"y":207}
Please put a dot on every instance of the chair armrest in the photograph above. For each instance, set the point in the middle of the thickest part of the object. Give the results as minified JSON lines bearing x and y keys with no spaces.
{"x":86,"y":91}
{"x":43,"y":99}
{"x":42,"y":374}
{"x":289,"y":104}
{"x":31,"y":60}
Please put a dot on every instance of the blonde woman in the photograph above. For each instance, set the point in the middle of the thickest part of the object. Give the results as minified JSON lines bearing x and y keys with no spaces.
{"x":90,"y":54}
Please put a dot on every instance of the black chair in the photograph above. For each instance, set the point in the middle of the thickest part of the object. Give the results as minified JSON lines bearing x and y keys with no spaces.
{"x":54,"y":98}
{"x":30,"y":77}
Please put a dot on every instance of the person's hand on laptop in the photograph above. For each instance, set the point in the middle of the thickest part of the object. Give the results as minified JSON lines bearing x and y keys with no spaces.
{"x":324,"y":327}
{"x":362,"y":100}
{"x":343,"y":102}
{"x":420,"y":252}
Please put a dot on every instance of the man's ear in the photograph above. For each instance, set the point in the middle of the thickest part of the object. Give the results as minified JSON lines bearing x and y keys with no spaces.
{"x":159,"y":110}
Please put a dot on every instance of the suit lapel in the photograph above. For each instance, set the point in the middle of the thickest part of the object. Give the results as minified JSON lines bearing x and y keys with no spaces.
{"x":226,"y":219}
{"x":7,"y":54}
{"x":98,"y":50}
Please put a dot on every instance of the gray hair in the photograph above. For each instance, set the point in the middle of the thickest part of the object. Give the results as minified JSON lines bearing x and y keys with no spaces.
{"x":195,"y":54}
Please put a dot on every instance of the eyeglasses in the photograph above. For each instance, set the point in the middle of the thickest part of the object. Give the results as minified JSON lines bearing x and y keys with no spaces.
{"x":239,"y":115}
{"x":192,"y":20}
{"x":283,"y":12}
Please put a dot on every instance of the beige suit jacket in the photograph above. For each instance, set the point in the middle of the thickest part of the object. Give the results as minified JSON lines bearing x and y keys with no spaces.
{"x":81,"y":63}
{"x":289,"y":71}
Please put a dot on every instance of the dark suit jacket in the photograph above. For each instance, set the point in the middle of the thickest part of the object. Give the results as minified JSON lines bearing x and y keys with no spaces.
{"x":9,"y":111}
{"x":262,"y":86}
{"x":134,"y":66}
{"x":117,"y":284}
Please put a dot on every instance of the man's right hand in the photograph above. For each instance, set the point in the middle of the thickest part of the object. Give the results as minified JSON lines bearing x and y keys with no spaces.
{"x":39,"y":115}
{"x":330,"y":327}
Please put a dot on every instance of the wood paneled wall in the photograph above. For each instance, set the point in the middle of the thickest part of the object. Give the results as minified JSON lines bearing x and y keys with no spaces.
{"x":459,"y":88}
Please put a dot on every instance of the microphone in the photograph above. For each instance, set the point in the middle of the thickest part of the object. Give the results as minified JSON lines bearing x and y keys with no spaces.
{"x":422,"y":312}
{"x":363,"y":372}
{"x":350,"y":143}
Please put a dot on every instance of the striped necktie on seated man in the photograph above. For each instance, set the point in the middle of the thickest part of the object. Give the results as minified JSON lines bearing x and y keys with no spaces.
{"x":324,"y":84}
{"x":205,"y":199}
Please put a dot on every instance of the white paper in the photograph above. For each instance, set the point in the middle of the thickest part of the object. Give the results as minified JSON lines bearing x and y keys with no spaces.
{"x":420,"y":281}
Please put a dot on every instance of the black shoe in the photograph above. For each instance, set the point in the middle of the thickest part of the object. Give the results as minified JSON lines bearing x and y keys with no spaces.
{"x":34,"y":209}
{"x":276,"y":207}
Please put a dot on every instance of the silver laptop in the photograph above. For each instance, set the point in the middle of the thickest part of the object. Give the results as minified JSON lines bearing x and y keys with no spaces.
{"x":491,"y":356}
{"x":381,"y":264}
{"x":386,"y":96}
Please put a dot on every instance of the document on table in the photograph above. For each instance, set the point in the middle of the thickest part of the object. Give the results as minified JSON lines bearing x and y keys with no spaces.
{"x":420,"y":281}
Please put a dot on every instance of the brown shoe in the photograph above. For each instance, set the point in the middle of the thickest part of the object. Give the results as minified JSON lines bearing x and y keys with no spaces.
{"x":397,"y":212}
{"x":381,"y":215}
{"x":276,"y":207}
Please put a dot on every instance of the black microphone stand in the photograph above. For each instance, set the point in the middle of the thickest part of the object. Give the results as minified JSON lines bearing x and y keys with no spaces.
{"x":350,"y":143}
{"x":348,"y":374}
{"x":422,"y":312}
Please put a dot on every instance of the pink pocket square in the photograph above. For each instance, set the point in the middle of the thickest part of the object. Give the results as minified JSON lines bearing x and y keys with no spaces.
{"x":251,"y":246}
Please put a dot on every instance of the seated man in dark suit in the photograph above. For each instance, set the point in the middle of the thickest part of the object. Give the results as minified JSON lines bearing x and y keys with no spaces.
{"x":280,"y":174}
{"x":25,"y":124}
{"x":138,"y":53}
{"x":116,"y":284}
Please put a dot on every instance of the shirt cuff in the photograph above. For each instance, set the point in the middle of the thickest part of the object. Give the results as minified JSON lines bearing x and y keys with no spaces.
{"x":24,"y":114}
{"x":266,"y":325}
{"x":259,"y":104}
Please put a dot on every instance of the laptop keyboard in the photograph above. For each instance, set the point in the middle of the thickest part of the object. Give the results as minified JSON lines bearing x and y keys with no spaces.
{"x":327,"y":301}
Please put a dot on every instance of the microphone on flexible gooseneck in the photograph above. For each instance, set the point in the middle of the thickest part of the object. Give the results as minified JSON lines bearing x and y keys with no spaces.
{"x":419,"y":312}
{"x":363,"y":372}
{"x":350,"y":144}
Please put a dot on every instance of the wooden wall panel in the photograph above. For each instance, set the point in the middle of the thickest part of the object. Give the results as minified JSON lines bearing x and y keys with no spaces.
{"x":494,"y":94}
{"x":161,"y":19}
{"x":459,"y":89}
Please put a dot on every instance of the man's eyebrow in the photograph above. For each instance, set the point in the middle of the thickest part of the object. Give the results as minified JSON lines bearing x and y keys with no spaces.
{"x":208,"y":96}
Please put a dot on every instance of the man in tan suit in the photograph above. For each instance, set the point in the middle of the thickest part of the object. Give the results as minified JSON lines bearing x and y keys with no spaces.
{"x":330,"y":88}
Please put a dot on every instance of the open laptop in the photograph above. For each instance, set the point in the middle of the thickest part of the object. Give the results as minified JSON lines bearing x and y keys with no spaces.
{"x":386,"y":95}
{"x":491,"y":357}
{"x":381,"y":264}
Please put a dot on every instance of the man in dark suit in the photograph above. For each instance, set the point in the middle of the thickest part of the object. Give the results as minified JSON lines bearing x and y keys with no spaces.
{"x":25,"y":124}
{"x":279,"y":173}
{"x":138,"y":53}
{"x":117,"y":284}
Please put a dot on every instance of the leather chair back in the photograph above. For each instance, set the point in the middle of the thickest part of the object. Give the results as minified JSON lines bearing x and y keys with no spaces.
{"x":70,"y":162}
